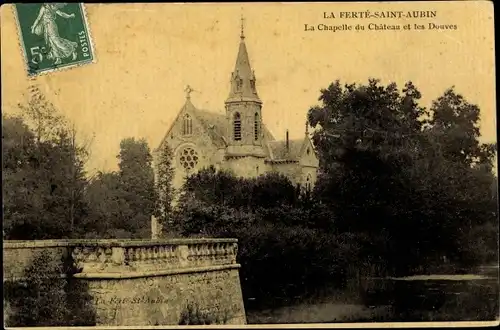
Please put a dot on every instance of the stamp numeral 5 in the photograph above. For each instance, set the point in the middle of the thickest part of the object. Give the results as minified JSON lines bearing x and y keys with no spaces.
{"x":37,"y":54}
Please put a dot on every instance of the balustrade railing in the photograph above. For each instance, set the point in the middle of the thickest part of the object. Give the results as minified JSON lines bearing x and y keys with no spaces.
{"x":153,"y":255}
{"x":125,"y":256}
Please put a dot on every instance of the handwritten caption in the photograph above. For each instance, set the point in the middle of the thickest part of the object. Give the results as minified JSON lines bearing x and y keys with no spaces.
{"x":128,"y":301}
{"x":431,"y":21}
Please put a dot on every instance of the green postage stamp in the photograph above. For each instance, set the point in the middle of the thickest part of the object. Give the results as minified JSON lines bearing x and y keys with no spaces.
{"x":53,"y":36}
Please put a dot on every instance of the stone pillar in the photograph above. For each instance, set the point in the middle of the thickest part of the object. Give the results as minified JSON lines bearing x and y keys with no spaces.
{"x":155,"y":228}
{"x":118,"y":255}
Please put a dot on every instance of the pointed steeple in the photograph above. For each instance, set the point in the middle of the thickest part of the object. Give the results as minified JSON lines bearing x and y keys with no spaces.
{"x":243,"y":77}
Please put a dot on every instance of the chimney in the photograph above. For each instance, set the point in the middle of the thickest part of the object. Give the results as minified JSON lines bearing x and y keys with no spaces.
{"x":287,"y":142}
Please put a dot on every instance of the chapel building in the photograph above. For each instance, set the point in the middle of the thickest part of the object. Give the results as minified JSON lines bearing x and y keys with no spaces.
{"x":237,"y":140}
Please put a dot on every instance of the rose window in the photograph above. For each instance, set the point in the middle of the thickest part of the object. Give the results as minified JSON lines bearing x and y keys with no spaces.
{"x":188,"y":158}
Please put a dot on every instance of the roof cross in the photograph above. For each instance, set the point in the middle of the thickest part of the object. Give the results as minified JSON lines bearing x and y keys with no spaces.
{"x":188,"y":91}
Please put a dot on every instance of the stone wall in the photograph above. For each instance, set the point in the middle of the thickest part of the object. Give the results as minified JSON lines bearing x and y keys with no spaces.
{"x":18,"y":255}
{"x":246,"y":167}
{"x":146,"y":282}
{"x":290,"y":170}
{"x":311,"y":171}
{"x":161,"y":300}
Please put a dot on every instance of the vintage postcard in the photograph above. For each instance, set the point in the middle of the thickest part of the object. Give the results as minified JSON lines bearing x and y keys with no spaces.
{"x":249,"y":164}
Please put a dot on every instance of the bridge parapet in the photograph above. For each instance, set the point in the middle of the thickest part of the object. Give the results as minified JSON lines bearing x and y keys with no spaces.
{"x":142,"y":282}
{"x":126,"y":258}
{"x":134,"y":257}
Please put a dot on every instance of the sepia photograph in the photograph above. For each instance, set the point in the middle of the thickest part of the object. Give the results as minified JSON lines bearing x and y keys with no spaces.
{"x":249,"y":164}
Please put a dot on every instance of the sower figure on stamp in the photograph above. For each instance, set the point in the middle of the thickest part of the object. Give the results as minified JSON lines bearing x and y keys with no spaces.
{"x":45,"y":24}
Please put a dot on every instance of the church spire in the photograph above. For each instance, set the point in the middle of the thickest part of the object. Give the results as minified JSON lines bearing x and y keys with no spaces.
{"x":243,"y":78}
{"x":242,"y":35}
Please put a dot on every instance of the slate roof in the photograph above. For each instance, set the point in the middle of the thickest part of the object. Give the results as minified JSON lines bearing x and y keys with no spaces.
{"x":214,"y":123}
{"x":216,"y":126}
{"x":280,"y":152}
{"x":243,"y":76}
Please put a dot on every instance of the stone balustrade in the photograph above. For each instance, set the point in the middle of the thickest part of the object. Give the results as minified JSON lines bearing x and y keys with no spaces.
{"x":140,"y":256}
{"x":214,"y":253}
{"x":124,"y":277}
{"x":135,"y":258}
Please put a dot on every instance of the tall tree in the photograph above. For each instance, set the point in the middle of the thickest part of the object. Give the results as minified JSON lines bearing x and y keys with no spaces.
{"x":386,"y":171}
{"x":365,"y":134}
{"x":47,"y":184}
{"x":464,"y":165}
{"x":137,"y":185}
{"x":164,"y":188}
{"x":18,"y":179}
{"x":456,"y":123}
{"x":107,"y":208}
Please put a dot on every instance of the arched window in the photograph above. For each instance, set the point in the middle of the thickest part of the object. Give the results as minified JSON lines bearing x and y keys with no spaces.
{"x":188,"y":125}
{"x":308,"y":183}
{"x":237,"y":127}
{"x":256,"y":126}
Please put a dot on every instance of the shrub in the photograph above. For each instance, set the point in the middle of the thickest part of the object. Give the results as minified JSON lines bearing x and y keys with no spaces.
{"x":193,"y":315}
{"x":46,"y":298}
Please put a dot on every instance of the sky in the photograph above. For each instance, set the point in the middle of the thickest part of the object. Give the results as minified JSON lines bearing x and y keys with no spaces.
{"x":146,"y":54}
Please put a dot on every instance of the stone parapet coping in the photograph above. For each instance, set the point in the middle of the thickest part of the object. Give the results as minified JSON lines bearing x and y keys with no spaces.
{"x":154,"y":273}
{"x":12,"y":244}
{"x":24,"y":278}
{"x":128,"y":275}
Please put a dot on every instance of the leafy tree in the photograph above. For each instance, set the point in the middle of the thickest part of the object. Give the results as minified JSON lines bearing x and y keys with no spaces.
{"x":365,"y":135}
{"x":283,"y":247}
{"x":104,"y":196}
{"x":385,"y":171}
{"x":273,"y":189}
{"x":137,"y":186}
{"x":121,"y":203}
{"x":17,"y":143}
{"x":455,"y":121}
{"x":163,"y":184}
{"x":44,"y":179}
{"x":464,"y":167}
{"x":44,"y":298}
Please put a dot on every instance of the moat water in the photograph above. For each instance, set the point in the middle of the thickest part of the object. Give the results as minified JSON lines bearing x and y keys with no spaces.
{"x":424,"y":298}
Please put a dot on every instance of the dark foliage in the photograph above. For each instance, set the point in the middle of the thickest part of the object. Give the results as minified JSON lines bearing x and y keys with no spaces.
{"x":287,"y":246}
{"x":43,"y":179}
{"x":402,"y":190}
{"x":45,"y":298}
{"x":419,"y":178}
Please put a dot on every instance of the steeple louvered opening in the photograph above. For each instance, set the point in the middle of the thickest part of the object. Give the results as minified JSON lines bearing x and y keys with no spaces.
{"x":237,"y":126}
